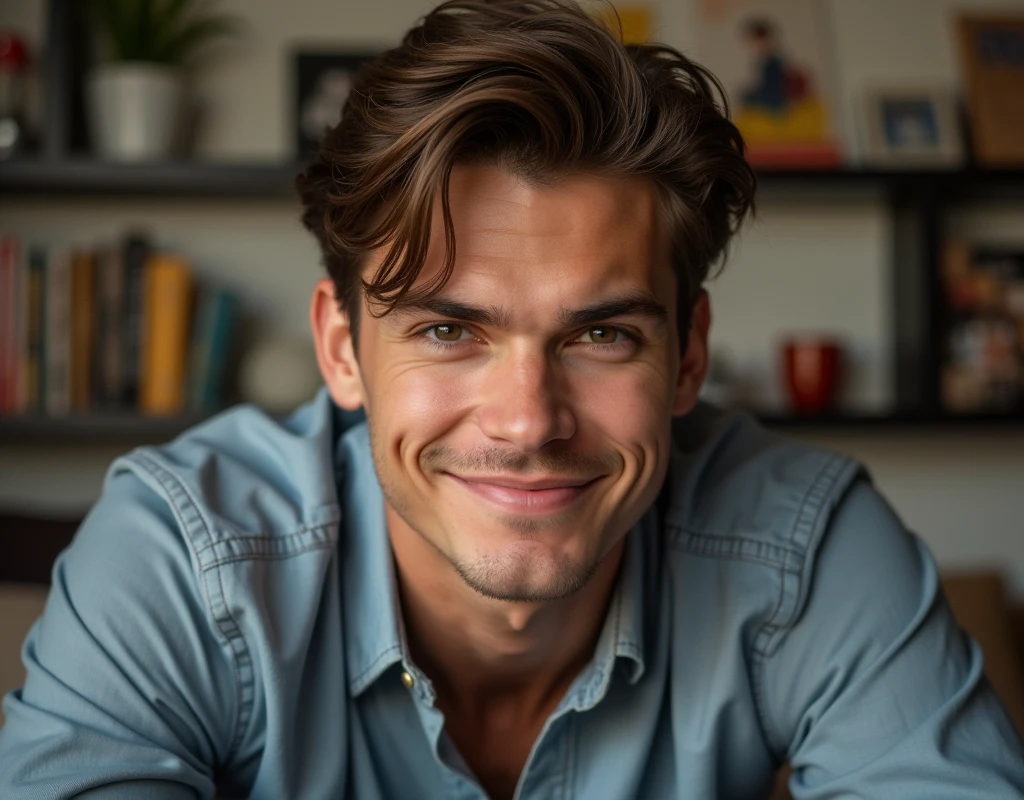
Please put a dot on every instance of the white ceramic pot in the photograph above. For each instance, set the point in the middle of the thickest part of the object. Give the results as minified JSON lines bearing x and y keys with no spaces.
{"x":134,"y":110}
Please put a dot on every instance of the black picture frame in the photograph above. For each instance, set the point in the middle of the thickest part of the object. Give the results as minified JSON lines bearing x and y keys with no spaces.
{"x":322,"y":81}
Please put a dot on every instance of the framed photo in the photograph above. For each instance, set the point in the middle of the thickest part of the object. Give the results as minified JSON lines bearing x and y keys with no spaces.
{"x":991,"y":49}
{"x":982,"y":355}
{"x":912,"y":127}
{"x":323,"y":80}
{"x":774,"y":59}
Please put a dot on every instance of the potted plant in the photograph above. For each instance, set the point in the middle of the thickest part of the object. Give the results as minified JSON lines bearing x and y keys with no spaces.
{"x":135,"y":94}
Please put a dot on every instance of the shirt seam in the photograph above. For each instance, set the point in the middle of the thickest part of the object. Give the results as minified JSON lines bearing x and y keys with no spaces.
{"x":241,"y":660}
{"x":257,"y":537}
{"x":814,"y":495}
{"x":713,"y":545}
{"x":270,"y":556}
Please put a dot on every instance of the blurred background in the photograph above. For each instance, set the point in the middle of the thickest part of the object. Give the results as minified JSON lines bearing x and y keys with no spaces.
{"x":153,"y":269}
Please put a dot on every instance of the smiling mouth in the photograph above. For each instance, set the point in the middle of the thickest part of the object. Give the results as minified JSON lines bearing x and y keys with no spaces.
{"x":543,"y":496}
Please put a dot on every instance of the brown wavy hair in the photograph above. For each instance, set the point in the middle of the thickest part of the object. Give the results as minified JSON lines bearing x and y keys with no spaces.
{"x":537,"y":87}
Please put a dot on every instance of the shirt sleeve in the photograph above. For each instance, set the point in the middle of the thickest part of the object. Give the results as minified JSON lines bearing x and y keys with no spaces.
{"x":129,"y":691}
{"x":874,"y":691}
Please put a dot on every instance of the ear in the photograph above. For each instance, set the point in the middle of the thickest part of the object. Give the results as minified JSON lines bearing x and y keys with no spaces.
{"x":693,"y":366}
{"x":335,"y":350}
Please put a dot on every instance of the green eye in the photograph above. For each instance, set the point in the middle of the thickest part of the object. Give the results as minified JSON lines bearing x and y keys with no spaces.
{"x":448,"y":332}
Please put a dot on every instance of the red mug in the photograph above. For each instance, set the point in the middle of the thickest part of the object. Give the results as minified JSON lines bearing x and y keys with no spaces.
{"x":813,"y":370}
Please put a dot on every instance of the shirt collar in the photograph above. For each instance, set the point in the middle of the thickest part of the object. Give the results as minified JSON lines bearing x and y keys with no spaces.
{"x":373,"y":639}
{"x":624,"y":625}
{"x":374,"y":634}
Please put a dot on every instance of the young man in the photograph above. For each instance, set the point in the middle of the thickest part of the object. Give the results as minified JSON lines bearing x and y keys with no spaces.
{"x":519,"y":577}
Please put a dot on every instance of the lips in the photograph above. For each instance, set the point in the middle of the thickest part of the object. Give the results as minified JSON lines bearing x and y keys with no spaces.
{"x":534,"y":496}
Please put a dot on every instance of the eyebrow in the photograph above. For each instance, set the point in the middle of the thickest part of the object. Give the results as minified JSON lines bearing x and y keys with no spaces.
{"x":635,"y":304}
{"x":632,"y":304}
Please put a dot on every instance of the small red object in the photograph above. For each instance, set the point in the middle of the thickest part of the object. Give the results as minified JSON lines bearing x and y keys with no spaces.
{"x":813,"y":367}
{"x":13,"y":53}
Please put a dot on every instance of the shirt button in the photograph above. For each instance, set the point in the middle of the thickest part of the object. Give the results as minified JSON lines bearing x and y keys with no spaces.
{"x":408,"y":680}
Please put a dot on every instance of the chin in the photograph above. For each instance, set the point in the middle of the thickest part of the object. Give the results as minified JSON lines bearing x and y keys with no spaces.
{"x":526,"y":571}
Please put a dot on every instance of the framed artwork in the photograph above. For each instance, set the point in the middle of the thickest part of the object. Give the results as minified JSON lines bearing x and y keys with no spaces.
{"x":323,"y":80}
{"x":992,"y":55}
{"x":982,"y":361}
{"x":912,"y":127}
{"x":772,"y":57}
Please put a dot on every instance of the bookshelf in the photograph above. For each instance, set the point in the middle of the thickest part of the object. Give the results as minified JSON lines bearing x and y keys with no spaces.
{"x":182,"y":179}
{"x":917,"y":201}
{"x":130,"y":427}
{"x":100,"y":427}
{"x":197,"y":179}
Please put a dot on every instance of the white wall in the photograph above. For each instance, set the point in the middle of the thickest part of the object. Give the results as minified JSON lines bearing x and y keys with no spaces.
{"x":804,"y":265}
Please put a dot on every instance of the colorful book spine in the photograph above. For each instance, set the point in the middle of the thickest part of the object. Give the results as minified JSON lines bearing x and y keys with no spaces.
{"x":167,"y":298}
{"x":8,"y":314}
{"x":110,"y":324}
{"x":83,"y":328}
{"x":57,"y":333}
{"x":21,"y":326}
{"x":136,"y":251}
{"x":212,"y":339}
{"x":34,"y":343}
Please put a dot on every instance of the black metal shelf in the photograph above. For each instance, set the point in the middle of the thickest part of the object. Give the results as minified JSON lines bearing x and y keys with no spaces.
{"x":894,"y":422}
{"x":189,"y":179}
{"x":131,"y":428}
{"x":269,"y":180}
{"x":94,"y":428}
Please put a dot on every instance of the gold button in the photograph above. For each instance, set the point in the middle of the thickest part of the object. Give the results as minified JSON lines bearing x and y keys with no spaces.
{"x":408,"y":680}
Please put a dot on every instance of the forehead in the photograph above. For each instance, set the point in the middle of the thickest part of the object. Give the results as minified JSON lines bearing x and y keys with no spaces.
{"x":581,"y":234}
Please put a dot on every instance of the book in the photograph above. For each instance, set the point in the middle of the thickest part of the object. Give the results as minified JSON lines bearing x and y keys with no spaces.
{"x":167,"y":297}
{"x":20,"y":394}
{"x":82,"y":328}
{"x":212,"y":339}
{"x":110,"y":327}
{"x":991,"y":48}
{"x":135,"y":251}
{"x":57,"y":333}
{"x":34,"y":305}
{"x":8,"y":315}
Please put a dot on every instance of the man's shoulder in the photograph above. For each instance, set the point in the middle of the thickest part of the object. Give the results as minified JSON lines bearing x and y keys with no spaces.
{"x":745,"y":516}
{"x":737,"y":490}
{"x":245,"y":482}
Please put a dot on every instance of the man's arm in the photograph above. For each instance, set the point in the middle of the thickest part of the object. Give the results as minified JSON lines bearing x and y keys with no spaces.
{"x":129,"y":691}
{"x":875,"y":691}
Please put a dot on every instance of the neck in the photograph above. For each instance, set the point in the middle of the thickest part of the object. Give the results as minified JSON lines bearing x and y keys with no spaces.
{"x":474,"y":647}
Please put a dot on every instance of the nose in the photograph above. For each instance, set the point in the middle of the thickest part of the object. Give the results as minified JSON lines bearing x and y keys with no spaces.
{"x":527,"y":403}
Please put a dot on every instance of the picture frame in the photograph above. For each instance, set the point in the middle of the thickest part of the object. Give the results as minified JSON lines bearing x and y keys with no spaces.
{"x":322,"y":82}
{"x":993,"y":73}
{"x":775,"y":60}
{"x":912,"y":126}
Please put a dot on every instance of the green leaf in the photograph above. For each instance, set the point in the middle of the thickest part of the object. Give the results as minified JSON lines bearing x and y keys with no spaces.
{"x":162,"y":31}
{"x":143,"y":25}
{"x":196,"y":33}
{"x":167,"y":19}
{"x":114,"y":20}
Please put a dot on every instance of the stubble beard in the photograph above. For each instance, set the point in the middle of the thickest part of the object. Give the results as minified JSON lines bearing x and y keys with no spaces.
{"x":516,"y":575}
{"x":513,"y":576}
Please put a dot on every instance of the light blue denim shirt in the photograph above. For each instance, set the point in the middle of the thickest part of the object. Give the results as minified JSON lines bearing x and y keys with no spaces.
{"x":227,"y":618}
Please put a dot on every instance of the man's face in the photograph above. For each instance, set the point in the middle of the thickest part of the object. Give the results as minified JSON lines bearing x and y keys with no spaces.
{"x":520,"y":419}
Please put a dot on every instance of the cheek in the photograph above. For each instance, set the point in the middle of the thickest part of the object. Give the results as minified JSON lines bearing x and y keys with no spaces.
{"x":419,"y":404}
{"x":631,"y":407}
